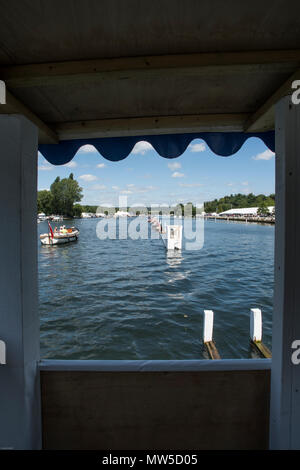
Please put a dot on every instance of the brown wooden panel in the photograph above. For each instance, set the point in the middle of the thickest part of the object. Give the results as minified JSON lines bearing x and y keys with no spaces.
{"x":155,"y":410}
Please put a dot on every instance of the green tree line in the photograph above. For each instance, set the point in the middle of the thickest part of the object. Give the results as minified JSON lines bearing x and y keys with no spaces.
{"x":236,"y":201}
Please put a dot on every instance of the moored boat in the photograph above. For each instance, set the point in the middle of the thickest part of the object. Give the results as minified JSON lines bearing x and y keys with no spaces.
{"x":59,"y":236}
{"x":57,"y":218}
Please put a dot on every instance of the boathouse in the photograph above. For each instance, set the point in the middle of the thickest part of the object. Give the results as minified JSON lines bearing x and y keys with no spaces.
{"x":110,"y":73}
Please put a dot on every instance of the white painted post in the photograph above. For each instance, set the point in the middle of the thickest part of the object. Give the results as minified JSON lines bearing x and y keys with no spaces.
{"x":2,"y":352}
{"x":255,"y":324}
{"x":285,"y":376}
{"x":208,"y":326}
{"x":174,"y":237}
{"x":2,"y":92}
{"x":20,"y":414}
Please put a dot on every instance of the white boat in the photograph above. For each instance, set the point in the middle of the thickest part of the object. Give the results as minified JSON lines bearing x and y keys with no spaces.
{"x":59,"y":237}
{"x":122,"y":214}
{"x":42,"y":216}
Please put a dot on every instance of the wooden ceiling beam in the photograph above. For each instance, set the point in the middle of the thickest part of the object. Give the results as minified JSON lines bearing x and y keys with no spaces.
{"x":264,"y":118}
{"x":56,"y":73}
{"x":151,"y":125}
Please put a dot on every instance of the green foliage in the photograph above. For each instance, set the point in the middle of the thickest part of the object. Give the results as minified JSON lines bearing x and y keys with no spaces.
{"x":77,"y":210}
{"x":61,"y":197}
{"x":263,"y":210}
{"x":235,"y":201}
{"x":45,"y":202}
{"x":90,"y":209}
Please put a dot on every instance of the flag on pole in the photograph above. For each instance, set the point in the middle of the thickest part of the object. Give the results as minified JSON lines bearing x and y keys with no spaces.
{"x":50,"y":228}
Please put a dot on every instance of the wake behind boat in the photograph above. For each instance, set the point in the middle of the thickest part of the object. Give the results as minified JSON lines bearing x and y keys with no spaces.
{"x":59,"y":236}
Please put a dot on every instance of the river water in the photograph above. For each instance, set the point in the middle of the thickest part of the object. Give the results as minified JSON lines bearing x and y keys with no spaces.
{"x":129,"y":299}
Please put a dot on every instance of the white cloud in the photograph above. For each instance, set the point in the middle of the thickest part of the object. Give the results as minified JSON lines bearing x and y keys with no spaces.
{"x":132,"y":188}
{"x":116,"y":188}
{"x":142,"y":147}
{"x":191,"y":185}
{"x":145,"y":189}
{"x":176,"y":174}
{"x":87,"y":148}
{"x":98,"y":187}
{"x":174,"y":165}
{"x":88,"y":178}
{"x":45,"y":167}
{"x":101,"y":165}
{"x":200,"y":147}
{"x":245,"y":183}
{"x":71,"y":164}
{"x":266,"y":155}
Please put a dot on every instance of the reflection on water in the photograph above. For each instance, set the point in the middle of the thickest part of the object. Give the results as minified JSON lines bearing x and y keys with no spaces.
{"x":174,"y":258}
{"x":130,"y":299}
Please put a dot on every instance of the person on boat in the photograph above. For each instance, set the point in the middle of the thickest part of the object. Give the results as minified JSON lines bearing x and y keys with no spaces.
{"x":62,"y":229}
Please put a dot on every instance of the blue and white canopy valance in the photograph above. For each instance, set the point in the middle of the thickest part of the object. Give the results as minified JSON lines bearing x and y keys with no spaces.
{"x":168,"y":146}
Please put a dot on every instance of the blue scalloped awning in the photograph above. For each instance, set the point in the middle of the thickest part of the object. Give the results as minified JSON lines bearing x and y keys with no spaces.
{"x":168,"y":146}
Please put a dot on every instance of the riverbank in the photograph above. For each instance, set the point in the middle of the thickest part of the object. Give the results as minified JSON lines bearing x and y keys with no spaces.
{"x":260,"y":220}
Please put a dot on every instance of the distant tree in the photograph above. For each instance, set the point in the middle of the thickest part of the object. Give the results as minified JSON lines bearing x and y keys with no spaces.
{"x":56,"y":193}
{"x":188,"y":209}
{"x":263,"y":210}
{"x":77,"y":210}
{"x":179,"y":209}
{"x":65,"y":193}
{"x":70,"y":192}
{"x":44,"y":202}
{"x":90,"y":209}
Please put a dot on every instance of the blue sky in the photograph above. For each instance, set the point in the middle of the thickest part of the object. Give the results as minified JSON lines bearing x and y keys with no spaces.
{"x":146,"y":178}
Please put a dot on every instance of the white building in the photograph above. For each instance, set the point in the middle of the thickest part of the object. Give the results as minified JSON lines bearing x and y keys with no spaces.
{"x":244,"y":212}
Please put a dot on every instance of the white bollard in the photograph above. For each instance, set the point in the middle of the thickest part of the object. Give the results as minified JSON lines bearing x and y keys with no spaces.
{"x":208,"y":326}
{"x":174,"y":237}
{"x":2,"y":352}
{"x":255,"y":324}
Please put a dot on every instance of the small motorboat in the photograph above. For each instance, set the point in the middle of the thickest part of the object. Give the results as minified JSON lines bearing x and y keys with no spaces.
{"x":59,"y":236}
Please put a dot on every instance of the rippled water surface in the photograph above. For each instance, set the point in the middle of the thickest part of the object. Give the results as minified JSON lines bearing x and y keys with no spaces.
{"x":129,"y":299}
